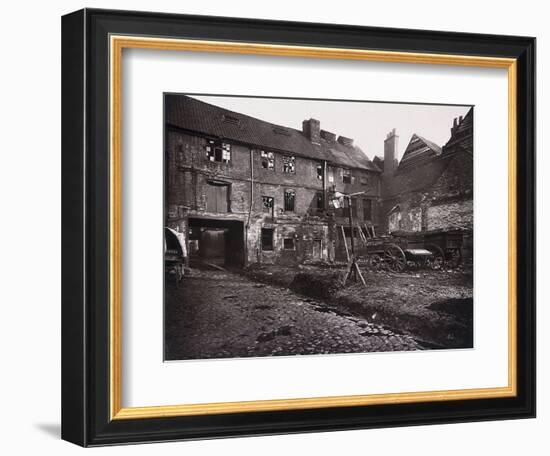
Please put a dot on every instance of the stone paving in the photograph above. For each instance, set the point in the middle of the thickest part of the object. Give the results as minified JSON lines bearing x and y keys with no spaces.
{"x":224,"y":315}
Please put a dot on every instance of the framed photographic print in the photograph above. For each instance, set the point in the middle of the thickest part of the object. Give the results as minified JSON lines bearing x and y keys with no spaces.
{"x":279,"y":227}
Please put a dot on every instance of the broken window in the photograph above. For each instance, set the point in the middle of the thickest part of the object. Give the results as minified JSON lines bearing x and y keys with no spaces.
{"x":320,"y":172}
{"x":290,"y":199}
{"x":267,"y":238}
{"x":288,"y":243}
{"x":268,"y":160}
{"x":289,"y":164}
{"x":367,"y":209}
{"x":217,"y":151}
{"x":346,"y":176}
{"x":267,"y":204}
{"x":320,"y":199}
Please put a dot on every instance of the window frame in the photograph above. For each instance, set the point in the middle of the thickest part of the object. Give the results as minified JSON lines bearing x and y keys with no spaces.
{"x":270,"y":211}
{"x":264,"y":155}
{"x":285,"y":200}
{"x":262,"y":238}
{"x":293,"y":243}
{"x":292,"y":159}
{"x":213,"y":146}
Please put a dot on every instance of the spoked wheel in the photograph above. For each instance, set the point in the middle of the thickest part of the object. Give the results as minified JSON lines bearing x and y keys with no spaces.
{"x":454,"y":258}
{"x":376,"y":262}
{"x":437,"y":261}
{"x":394,"y":258}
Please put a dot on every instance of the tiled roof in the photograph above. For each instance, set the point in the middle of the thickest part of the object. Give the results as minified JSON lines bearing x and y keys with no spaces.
{"x":424,"y":161}
{"x":419,"y":150}
{"x":187,"y":113}
{"x":416,"y":177}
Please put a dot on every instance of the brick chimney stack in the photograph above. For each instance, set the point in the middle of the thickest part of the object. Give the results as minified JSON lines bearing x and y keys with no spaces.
{"x":456,"y":123}
{"x":312,"y":130}
{"x":390,"y":152}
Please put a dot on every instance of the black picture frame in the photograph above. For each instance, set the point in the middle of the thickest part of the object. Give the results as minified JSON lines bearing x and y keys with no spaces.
{"x":85,"y":223}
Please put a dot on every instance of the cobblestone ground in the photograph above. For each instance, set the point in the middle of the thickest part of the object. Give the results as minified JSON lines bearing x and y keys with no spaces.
{"x":221,"y":315}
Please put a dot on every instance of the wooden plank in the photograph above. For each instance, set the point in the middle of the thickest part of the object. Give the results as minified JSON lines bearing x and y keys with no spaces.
{"x":358,"y":273}
{"x":361,"y":234}
{"x":367,"y":230}
{"x":345,"y":242}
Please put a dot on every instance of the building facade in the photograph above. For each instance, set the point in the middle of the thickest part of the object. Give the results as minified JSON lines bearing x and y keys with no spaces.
{"x":431,"y":188}
{"x":242,"y":190}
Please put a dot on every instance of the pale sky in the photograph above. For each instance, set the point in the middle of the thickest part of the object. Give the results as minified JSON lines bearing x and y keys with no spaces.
{"x":367,"y":123}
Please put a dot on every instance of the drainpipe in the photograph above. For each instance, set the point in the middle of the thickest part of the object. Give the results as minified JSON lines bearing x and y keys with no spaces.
{"x":325,"y":196}
{"x":251,"y":202}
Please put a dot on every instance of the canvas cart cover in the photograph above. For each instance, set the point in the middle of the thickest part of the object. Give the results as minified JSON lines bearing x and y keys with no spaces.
{"x":174,"y":241}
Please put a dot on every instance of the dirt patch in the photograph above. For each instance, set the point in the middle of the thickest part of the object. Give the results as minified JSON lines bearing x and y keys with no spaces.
{"x":317,"y":285}
{"x":434,"y":307}
{"x":463,"y":309}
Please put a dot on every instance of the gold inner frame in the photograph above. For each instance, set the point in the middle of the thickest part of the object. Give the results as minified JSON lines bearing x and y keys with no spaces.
{"x":117,"y":44}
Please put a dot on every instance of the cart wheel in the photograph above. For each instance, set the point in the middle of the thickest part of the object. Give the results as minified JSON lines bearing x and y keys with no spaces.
{"x":376,"y":262}
{"x":394,"y":258}
{"x":437,"y":262}
{"x":454,"y":258}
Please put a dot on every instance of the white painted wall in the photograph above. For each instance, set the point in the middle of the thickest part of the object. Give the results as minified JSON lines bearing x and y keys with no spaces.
{"x":30,"y":206}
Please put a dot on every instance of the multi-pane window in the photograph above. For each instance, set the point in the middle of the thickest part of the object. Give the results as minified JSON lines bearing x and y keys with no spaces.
{"x":267,"y":238}
{"x":268,"y":160}
{"x":289,"y":164}
{"x":320,"y":172}
{"x":346,"y":176}
{"x":367,"y":209}
{"x":290,"y":199}
{"x":288,"y":243}
{"x":217,"y":151}
{"x":267,"y":204}
{"x":320,"y":200}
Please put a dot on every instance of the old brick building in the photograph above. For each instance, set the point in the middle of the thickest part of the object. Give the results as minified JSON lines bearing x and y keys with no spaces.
{"x":431,"y":188}
{"x":242,"y":190}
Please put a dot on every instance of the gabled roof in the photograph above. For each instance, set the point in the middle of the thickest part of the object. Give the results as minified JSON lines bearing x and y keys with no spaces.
{"x":193,"y":115}
{"x":418,"y":151}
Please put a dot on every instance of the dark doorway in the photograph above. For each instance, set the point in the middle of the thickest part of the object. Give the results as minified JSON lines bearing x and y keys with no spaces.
{"x":219,"y":242}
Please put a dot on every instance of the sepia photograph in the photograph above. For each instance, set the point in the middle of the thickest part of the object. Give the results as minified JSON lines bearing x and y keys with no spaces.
{"x":316,"y":227}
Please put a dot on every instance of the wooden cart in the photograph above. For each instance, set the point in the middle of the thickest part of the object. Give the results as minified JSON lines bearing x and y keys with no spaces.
{"x":401,"y":250}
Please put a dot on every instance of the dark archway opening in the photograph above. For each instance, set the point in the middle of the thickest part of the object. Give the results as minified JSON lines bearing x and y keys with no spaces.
{"x":215,"y":241}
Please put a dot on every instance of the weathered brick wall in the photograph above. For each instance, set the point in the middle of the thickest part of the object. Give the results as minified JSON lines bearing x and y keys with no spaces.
{"x":459,"y":214}
{"x":189,"y":171}
{"x":446,"y":204}
{"x":305,"y":236}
